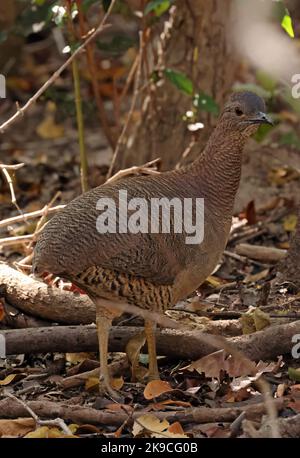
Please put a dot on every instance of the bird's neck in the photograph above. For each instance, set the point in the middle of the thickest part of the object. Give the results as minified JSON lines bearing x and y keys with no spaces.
{"x":216,"y":173}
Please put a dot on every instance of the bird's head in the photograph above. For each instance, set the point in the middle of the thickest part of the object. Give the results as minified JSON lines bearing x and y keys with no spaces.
{"x":244,"y":112}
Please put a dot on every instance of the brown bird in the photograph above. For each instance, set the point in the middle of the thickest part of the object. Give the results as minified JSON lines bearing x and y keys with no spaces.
{"x":151,"y":270}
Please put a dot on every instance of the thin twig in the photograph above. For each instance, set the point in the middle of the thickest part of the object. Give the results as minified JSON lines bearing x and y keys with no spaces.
{"x":132,"y":106}
{"x":30,"y":215}
{"x":78,"y":105}
{"x":147,"y":169}
{"x":12,"y":166}
{"x":244,"y":259}
{"x":7,"y":176}
{"x":93,"y":74}
{"x":7,"y":241}
{"x":91,"y":35}
{"x":59,"y":422}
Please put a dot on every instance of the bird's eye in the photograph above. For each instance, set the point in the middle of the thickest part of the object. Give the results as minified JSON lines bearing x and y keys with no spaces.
{"x":238,"y":111}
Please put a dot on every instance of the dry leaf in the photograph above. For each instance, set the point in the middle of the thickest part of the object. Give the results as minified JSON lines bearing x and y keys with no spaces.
{"x":75,"y":358}
{"x":169,"y":402}
{"x":133,"y":349}
{"x":92,"y":384}
{"x":12,"y":378}
{"x":254,"y":320}
{"x":117,"y":382}
{"x":176,"y":428}
{"x":45,"y":432}
{"x":16,"y":428}
{"x":48,"y":129}
{"x":290,"y":223}
{"x":150,"y":423}
{"x":157,"y":428}
{"x":155,"y":388}
{"x":210,"y":365}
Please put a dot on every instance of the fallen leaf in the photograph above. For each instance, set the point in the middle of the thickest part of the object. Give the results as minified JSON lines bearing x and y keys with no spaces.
{"x":85,"y":429}
{"x":117,"y":383}
{"x":235,"y":366}
{"x":169,"y":402}
{"x":290,"y":223}
{"x":238,"y":395}
{"x":16,"y":428}
{"x":254,"y":320}
{"x":45,"y":432}
{"x":156,"y":388}
{"x":176,"y":428}
{"x":48,"y":129}
{"x":133,"y":349}
{"x":92,"y":384}
{"x":75,"y":358}
{"x":210,"y":365}
{"x":12,"y":378}
{"x":294,"y":374}
{"x":150,"y":424}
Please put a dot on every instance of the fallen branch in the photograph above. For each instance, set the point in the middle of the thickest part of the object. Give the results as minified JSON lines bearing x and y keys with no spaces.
{"x":59,"y":422}
{"x":178,"y":344}
{"x":116,"y":369}
{"x":13,"y":318}
{"x":288,"y":427}
{"x":260,"y":253}
{"x":4,"y":169}
{"x":79,"y":414}
{"x":30,"y":215}
{"x":40,"y":300}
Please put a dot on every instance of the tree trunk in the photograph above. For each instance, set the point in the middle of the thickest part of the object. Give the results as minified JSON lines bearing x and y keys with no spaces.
{"x":195,"y":44}
{"x":289,"y":268}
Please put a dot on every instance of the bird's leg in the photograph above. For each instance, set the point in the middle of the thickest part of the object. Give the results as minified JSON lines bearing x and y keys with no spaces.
{"x":150,"y":327}
{"x":104,"y":320}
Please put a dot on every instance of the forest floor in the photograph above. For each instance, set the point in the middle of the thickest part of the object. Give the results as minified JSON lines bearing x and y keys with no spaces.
{"x":213,"y":395}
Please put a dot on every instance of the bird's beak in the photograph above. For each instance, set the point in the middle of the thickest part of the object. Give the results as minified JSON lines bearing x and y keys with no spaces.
{"x":261,"y":118}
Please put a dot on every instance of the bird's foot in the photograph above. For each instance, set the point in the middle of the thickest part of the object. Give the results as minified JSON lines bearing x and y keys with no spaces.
{"x":106,"y":390}
{"x":153,"y":375}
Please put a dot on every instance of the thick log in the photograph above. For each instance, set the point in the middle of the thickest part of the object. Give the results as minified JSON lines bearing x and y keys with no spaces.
{"x":266,"y":344}
{"x":36,"y":298}
{"x":10,"y":408}
{"x":261,"y":253}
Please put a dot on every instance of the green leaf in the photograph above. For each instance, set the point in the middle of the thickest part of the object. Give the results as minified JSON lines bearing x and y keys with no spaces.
{"x":159,"y":7}
{"x":180,"y":80}
{"x":266,"y":81}
{"x":118,"y":44}
{"x":204,"y":102}
{"x":294,"y":374}
{"x":39,"y":2}
{"x":262,"y":132}
{"x":86,"y":4}
{"x":290,"y":139}
{"x":287,"y":24}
